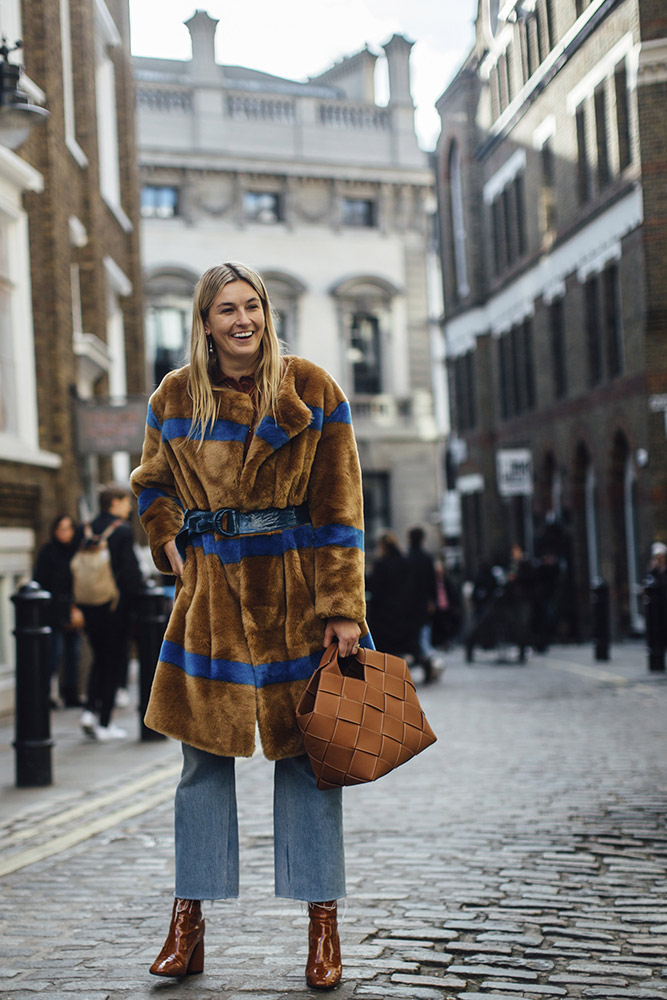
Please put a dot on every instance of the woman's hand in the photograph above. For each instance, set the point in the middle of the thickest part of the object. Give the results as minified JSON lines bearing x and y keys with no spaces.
{"x":347,"y":633}
{"x":174,"y":557}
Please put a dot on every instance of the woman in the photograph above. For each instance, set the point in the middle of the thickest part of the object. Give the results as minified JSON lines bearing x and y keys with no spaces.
{"x":52,"y":571}
{"x":390,"y":610}
{"x":249,"y":489}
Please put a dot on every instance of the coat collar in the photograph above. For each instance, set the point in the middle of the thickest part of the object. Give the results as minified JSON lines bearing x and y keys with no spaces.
{"x":292,"y":417}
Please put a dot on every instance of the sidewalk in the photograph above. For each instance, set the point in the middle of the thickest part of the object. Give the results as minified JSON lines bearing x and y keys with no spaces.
{"x":79,"y":764}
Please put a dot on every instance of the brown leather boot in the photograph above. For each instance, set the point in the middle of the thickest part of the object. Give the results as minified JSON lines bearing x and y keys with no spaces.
{"x":183,"y":952}
{"x":324,"y":967}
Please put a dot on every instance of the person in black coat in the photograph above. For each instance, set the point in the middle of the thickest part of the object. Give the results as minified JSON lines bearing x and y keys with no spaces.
{"x":107,"y":626}
{"x":390,"y":607}
{"x":52,"y":572}
{"x":424,"y":592}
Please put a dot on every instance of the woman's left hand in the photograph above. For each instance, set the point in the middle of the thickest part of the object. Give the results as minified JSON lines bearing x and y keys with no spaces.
{"x":347,"y":633}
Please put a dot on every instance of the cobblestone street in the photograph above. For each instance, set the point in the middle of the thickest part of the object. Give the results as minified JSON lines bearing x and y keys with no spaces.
{"x":524,"y":855}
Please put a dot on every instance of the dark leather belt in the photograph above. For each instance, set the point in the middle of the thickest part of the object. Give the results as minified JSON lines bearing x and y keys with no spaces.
{"x":230,"y":522}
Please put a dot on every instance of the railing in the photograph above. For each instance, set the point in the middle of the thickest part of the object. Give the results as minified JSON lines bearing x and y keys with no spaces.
{"x":164,"y":99}
{"x":381,"y":409}
{"x":358,"y":116}
{"x":242,"y":107}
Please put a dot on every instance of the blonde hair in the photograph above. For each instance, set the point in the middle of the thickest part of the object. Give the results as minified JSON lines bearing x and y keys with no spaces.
{"x":269,"y":369}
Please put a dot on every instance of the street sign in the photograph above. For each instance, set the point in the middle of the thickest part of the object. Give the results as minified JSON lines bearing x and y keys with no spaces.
{"x":104,"y":426}
{"x":514,"y":471}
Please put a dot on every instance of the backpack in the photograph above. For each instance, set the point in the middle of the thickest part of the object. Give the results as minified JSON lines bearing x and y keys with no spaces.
{"x":92,"y":576}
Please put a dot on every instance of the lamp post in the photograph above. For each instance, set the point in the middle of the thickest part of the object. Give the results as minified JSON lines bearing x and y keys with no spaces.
{"x":17,"y":112}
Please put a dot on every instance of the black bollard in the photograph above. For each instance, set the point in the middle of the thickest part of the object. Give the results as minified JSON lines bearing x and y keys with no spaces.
{"x":655,"y":610}
{"x":600,"y":612}
{"x":151,"y":619}
{"x":33,"y":720}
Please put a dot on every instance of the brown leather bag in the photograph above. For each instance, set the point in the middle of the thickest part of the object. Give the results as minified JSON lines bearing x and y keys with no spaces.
{"x":360,"y":717}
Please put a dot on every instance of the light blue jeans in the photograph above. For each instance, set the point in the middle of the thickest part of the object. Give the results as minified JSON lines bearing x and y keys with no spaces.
{"x":307,"y":831}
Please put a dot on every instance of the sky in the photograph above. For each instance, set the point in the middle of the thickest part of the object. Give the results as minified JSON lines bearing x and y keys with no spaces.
{"x":301,"y":38}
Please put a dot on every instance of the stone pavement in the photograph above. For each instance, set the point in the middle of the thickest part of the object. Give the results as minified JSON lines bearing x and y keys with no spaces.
{"x":524,"y":855}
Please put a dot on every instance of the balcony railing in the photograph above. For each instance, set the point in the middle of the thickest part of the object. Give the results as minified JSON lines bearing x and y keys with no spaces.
{"x":357,"y":116}
{"x":243,"y":107}
{"x":168,"y":99}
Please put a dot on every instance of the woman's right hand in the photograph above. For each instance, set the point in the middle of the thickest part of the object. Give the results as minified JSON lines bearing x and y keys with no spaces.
{"x":174,"y":557}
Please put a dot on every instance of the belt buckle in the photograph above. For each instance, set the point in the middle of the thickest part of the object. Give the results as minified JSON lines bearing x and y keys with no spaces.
{"x":232,"y":521}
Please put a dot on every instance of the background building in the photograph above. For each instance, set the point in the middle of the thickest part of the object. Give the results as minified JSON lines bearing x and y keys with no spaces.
{"x":71,"y":320}
{"x":328,"y":195}
{"x":551,"y":177}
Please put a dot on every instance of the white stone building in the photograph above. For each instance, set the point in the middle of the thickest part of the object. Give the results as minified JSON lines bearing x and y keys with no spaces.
{"x":329,"y":196}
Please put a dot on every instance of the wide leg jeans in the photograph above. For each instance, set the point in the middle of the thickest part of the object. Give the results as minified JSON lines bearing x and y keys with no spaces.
{"x":307,"y":827}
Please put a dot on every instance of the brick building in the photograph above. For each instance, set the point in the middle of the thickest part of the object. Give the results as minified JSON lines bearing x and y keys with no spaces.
{"x":552,"y":177}
{"x":70,"y":276}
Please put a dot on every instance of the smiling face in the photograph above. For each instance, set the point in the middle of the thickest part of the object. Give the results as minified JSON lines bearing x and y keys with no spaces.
{"x":235,"y":323}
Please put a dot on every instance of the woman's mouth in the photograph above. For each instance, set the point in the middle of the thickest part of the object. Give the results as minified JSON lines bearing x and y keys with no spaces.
{"x":243,"y":335}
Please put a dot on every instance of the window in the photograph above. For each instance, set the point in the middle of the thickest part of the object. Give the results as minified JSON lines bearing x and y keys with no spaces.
{"x":262,"y":206}
{"x":464,"y":387}
{"x":613,"y":326}
{"x":583,"y":171}
{"x":508,"y":72}
{"x":592,"y":319}
{"x":550,"y":22}
{"x":377,"y":509}
{"x":548,"y":192}
{"x":8,"y":400}
{"x":166,"y":335}
{"x":600,"y":104}
{"x":458,"y":233}
{"x":622,"y":115}
{"x":526,"y":348}
{"x":520,"y":214}
{"x":558,"y":347}
{"x":365,"y":354}
{"x":107,"y":39}
{"x":507,"y":229}
{"x":358,"y":212}
{"x":159,"y":201}
{"x":527,"y":49}
{"x":516,"y":370}
{"x":497,"y":235}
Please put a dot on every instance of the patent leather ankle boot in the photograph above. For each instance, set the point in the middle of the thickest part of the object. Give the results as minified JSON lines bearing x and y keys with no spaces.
{"x":183,"y":952}
{"x":324,"y":967}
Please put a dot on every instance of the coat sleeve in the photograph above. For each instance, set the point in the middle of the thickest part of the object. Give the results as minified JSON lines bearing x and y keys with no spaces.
{"x":160,"y":511}
{"x":336,"y":509}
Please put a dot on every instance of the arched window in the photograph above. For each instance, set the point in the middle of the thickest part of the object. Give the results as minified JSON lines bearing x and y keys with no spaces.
{"x":168,"y":294}
{"x":365,"y":310}
{"x":284,"y":293}
{"x":457,"y":222}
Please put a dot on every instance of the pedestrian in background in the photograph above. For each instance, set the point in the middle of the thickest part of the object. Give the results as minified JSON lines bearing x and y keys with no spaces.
{"x":258,"y":451}
{"x":391,"y":617}
{"x":108,"y":625}
{"x":658,"y":570}
{"x":423,"y":596}
{"x":53,"y":573}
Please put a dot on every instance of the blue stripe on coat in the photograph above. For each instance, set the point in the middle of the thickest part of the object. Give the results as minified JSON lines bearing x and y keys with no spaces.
{"x":152,"y":420}
{"x":339,"y":534}
{"x":304,"y":536}
{"x":271,"y":432}
{"x":237,"y":672}
{"x":222,"y":430}
{"x":233,"y":550}
{"x":341,"y":415}
{"x":147,"y":497}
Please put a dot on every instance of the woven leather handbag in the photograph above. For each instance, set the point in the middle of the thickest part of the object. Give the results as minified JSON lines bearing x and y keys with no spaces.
{"x":360,"y":717}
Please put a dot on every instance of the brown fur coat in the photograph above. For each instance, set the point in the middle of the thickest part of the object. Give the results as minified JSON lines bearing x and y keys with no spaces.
{"x":247,"y":626}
